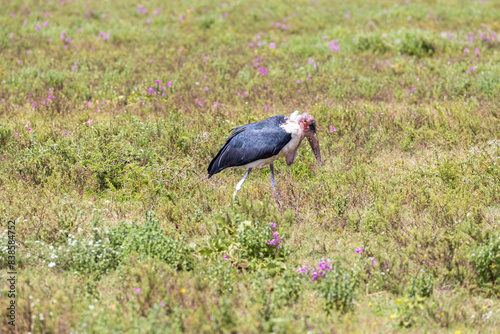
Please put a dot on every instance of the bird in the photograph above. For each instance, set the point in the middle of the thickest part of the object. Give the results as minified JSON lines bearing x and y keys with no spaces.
{"x":259,"y":144}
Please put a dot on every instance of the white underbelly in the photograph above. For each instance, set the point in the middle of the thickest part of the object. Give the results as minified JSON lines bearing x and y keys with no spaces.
{"x":289,"y":148}
{"x":261,"y":162}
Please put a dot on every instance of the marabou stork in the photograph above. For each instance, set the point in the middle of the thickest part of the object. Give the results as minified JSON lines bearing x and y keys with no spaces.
{"x":259,"y":144}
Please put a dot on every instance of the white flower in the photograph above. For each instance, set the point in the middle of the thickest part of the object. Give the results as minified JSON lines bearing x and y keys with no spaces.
{"x":91,"y":307}
{"x":52,"y":264}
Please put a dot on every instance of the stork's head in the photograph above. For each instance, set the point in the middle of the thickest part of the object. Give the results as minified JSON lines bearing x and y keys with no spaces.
{"x":308,"y":126}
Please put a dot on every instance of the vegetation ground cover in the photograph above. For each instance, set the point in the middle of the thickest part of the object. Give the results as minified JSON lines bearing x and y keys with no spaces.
{"x":111,"y":111}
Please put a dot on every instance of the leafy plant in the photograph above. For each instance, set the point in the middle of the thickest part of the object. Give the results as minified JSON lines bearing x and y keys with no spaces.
{"x":337,"y":289}
{"x":287,"y":288}
{"x":486,"y":260}
{"x":422,"y":285}
{"x":149,"y":240}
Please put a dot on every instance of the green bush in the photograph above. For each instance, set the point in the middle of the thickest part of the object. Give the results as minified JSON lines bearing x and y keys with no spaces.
{"x":287,"y":288}
{"x":5,"y":134}
{"x":486,"y":260}
{"x":253,"y":245}
{"x":338,"y":289}
{"x":422,"y":285}
{"x":110,"y":162}
{"x":94,"y":256}
{"x":149,"y":240}
{"x":258,"y":240}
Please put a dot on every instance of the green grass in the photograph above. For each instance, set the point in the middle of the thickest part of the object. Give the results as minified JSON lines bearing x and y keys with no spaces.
{"x":110,"y":186}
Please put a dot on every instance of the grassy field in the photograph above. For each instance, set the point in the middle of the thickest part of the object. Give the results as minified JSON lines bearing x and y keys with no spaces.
{"x":110,"y":112}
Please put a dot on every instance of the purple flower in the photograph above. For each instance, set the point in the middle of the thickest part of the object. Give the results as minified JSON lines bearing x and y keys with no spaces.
{"x":303,"y":269}
{"x":226,"y":257}
{"x":148,"y":21}
{"x":324,"y":265}
{"x":359,"y":250}
{"x":272,"y":45}
{"x":206,"y":89}
{"x":12,"y":14}
{"x":157,"y":82}
{"x":138,"y":290}
{"x":199,"y":102}
{"x":38,"y":27}
{"x":412,"y":90}
{"x":266,"y":107}
{"x":310,"y":61}
{"x":152,"y":61}
{"x":472,"y":69}
{"x":28,"y":52}
{"x":262,"y":70}
{"x":276,"y":241}
{"x":325,"y":37}
{"x":332,"y":128}
{"x":216,"y":104}
{"x":466,"y":50}
{"x":29,"y":129}
{"x":104,"y":35}
{"x":273,"y":225}
{"x":151,"y":91}
{"x":161,"y":304}
{"x":334,"y":45}
{"x":298,"y":81}
{"x":476,"y":52}
{"x":46,"y":23}
{"x":91,"y":121}
{"x":169,"y":84}
{"x":373,"y":260}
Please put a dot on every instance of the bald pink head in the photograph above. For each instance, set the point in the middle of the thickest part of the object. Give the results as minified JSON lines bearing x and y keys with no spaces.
{"x":308,"y":126}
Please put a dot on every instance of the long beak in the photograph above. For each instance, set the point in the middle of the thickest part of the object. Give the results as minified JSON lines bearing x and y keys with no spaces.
{"x":312,"y":137}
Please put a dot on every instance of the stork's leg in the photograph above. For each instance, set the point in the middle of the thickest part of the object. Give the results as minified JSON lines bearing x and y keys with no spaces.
{"x":273,"y":181}
{"x":238,"y":186}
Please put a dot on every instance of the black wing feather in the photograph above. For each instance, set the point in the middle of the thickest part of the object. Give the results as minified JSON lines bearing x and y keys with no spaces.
{"x":251,"y":142}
